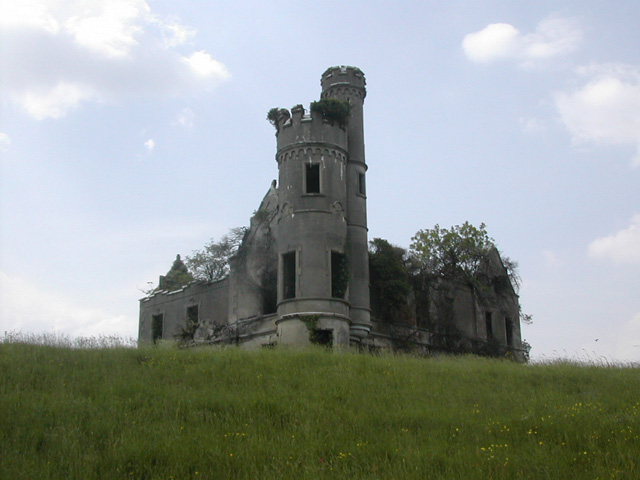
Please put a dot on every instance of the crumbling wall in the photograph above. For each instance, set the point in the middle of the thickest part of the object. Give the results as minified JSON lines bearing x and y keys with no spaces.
{"x":210,"y":298}
{"x":254,"y":268}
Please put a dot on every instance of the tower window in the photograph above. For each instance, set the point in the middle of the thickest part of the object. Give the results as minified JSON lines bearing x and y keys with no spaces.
{"x":312,"y":178}
{"x":488,"y":318}
{"x":157,"y":327}
{"x":361,"y":184}
{"x":289,"y":275}
{"x":339,"y":275}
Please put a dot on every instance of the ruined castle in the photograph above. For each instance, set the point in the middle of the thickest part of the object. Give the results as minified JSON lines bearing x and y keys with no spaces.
{"x":301,"y":273}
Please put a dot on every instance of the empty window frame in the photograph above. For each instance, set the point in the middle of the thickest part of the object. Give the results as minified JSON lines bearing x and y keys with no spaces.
{"x":362,"y":189}
{"x":192,"y":314}
{"x":488,"y":318}
{"x":157,"y":326}
{"x":339,"y":275}
{"x":312,"y":178}
{"x":322,"y":337}
{"x":508,"y":328}
{"x":289,"y":275}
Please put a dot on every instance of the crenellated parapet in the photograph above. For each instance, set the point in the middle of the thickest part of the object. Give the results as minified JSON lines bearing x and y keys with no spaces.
{"x":343,"y":82}
{"x":299,"y":128}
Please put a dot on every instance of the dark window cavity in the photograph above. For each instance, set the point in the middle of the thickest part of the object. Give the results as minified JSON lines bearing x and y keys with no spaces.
{"x":289,"y":275}
{"x":508,"y":327}
{"x":192,"y":314}
{"x":488,"y":318}
{"x":312,"y":176}
{"x":361,"y":184}
{"x":339,"y":275}
{"x":156,"y":327}
{"x":322,"y":337}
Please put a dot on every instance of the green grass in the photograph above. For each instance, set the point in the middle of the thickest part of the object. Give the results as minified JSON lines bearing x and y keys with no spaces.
{"x":111,"y":413}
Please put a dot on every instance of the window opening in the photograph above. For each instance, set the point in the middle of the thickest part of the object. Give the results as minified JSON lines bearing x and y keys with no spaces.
{"x":489,"y":325}
{"x":289,"y":275}
{"x":508,"y":327}
{"x":157,"y":322}
{"x":361,"y":184}
{"x":322,"y":337}
{"x":192,"y":314}
{"x":312,"y":178}
{"x":339,"y":275}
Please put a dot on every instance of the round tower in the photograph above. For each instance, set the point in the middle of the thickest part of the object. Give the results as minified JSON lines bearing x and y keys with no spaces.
{"x":348,"y":84}
{"x":311,"y":230}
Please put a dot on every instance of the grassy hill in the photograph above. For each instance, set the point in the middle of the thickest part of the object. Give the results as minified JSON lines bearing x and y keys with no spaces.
{"x":205,"y":413}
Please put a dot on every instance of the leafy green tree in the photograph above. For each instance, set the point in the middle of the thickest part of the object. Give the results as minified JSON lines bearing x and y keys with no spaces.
{"x":212,"y":262}
{"x":450,"y":253}
{"x":389,"y":278}
{"x":177,"y":277}
{"x":457,"y":253}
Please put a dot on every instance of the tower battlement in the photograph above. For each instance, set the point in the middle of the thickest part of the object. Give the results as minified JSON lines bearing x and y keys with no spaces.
{"x":335,"y":79}
{"x":300,"y":126}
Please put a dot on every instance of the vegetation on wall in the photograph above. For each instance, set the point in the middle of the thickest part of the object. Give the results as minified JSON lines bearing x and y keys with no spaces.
{"x":450,"y":253}
{"x":389,"y":280}
{"x":457,"y":252}
{"x":275,"y":114}
{"x":333,"y":110}
{"x":419,"y":286}
{"x":177,"y":277}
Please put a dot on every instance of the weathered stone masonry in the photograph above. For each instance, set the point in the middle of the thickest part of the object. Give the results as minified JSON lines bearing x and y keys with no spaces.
{"x":301,"y":273}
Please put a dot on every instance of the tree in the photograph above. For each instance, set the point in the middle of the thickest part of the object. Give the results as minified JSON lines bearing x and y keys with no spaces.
{"x":389,"y":279}
{"x":212,"y":263}
{"x":177,"y":277}
{"x":457,"y":253}
{"x":450,"y":253}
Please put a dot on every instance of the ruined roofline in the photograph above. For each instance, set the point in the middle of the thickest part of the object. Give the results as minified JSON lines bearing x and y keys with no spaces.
{"x":183,"y":288}
{"x":298,"y":115}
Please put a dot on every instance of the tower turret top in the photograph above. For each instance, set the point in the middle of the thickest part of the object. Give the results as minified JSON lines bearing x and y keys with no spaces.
{"x":343,"y":75}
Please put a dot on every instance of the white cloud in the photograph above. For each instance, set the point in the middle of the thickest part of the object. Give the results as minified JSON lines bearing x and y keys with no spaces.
{"x":204,"y":65}
{"x":150,"y":145}
{"x":620,"y":247}
{"x":5,"y":141}
{"x":55,"y":101}
{"x":175,"y":34}
{"x":27,"y":308}
{"x":60,"y":55}
{"x":606,"y":110}
{"x":501,"y":41}
{"x":185,"y":118}
{"x":494,"y":42}
{"x":109,"y":27}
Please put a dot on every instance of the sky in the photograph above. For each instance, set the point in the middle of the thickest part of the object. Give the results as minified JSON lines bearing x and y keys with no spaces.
{"x":132,"y":131}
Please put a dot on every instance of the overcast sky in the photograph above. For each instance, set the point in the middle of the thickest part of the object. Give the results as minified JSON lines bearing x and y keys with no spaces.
{"x":131,"y":131}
